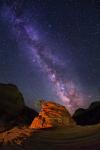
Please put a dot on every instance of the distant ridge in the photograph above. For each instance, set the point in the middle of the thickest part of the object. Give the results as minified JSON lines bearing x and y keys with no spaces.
{"x":88,"y":116}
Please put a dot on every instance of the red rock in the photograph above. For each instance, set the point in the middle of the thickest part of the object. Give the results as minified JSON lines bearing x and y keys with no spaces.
{"x":52,"y":115}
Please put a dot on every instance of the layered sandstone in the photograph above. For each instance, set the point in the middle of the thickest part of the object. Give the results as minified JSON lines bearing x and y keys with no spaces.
{"x":52,"y":115}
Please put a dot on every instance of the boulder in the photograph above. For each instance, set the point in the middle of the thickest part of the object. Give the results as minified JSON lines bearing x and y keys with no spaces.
{"x":52,"y":115}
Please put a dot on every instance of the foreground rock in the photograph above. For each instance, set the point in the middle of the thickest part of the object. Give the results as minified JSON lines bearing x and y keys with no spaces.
{"x":76,"y":138}
{"x":88,"y":116}
{"x":52,"y":115}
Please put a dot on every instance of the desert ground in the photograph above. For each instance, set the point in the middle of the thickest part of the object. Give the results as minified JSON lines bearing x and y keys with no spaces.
{"x":69,"y":138}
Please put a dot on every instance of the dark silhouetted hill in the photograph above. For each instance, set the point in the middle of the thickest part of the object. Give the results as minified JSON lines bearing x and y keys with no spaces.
{"x":88,"y":116}
{"x":12,"y":107}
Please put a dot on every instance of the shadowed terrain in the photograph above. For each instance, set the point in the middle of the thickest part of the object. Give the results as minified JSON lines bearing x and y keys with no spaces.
{"x":88,"y":116}
{"x":13,"y":111}
{"x":71,"y":138}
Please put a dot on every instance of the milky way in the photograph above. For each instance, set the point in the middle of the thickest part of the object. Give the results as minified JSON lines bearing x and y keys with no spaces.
{"x":66,"y":90}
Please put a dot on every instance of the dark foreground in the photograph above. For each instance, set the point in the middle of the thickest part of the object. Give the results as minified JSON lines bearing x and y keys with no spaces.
{"x":75,"y":138}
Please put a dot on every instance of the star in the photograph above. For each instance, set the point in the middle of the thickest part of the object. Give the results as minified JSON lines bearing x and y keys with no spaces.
{"x":50,"y":26}
{"x":51,"y":49}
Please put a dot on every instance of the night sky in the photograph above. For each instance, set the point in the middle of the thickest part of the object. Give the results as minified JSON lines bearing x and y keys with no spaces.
{"x":50,"y":49}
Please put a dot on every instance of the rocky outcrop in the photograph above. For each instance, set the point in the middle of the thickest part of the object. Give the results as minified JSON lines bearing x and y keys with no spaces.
{"x":88,"y":116}
{"x":12,"y":108}
{"x":26,"y":116}
{"x":11,"y":100}
{"x":52,"y":115}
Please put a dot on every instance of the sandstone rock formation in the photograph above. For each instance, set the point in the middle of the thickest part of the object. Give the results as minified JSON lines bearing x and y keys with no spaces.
{"x":52,"y":115}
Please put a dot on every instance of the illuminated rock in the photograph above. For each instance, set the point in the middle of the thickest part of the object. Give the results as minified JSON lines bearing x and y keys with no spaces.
{"x":52,"y":115}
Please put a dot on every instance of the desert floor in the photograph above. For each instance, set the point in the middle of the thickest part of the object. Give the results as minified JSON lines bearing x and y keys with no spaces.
{"x":69,"y":138}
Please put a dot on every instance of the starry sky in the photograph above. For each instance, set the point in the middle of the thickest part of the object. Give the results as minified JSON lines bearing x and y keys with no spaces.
{"x":50,"y":49}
